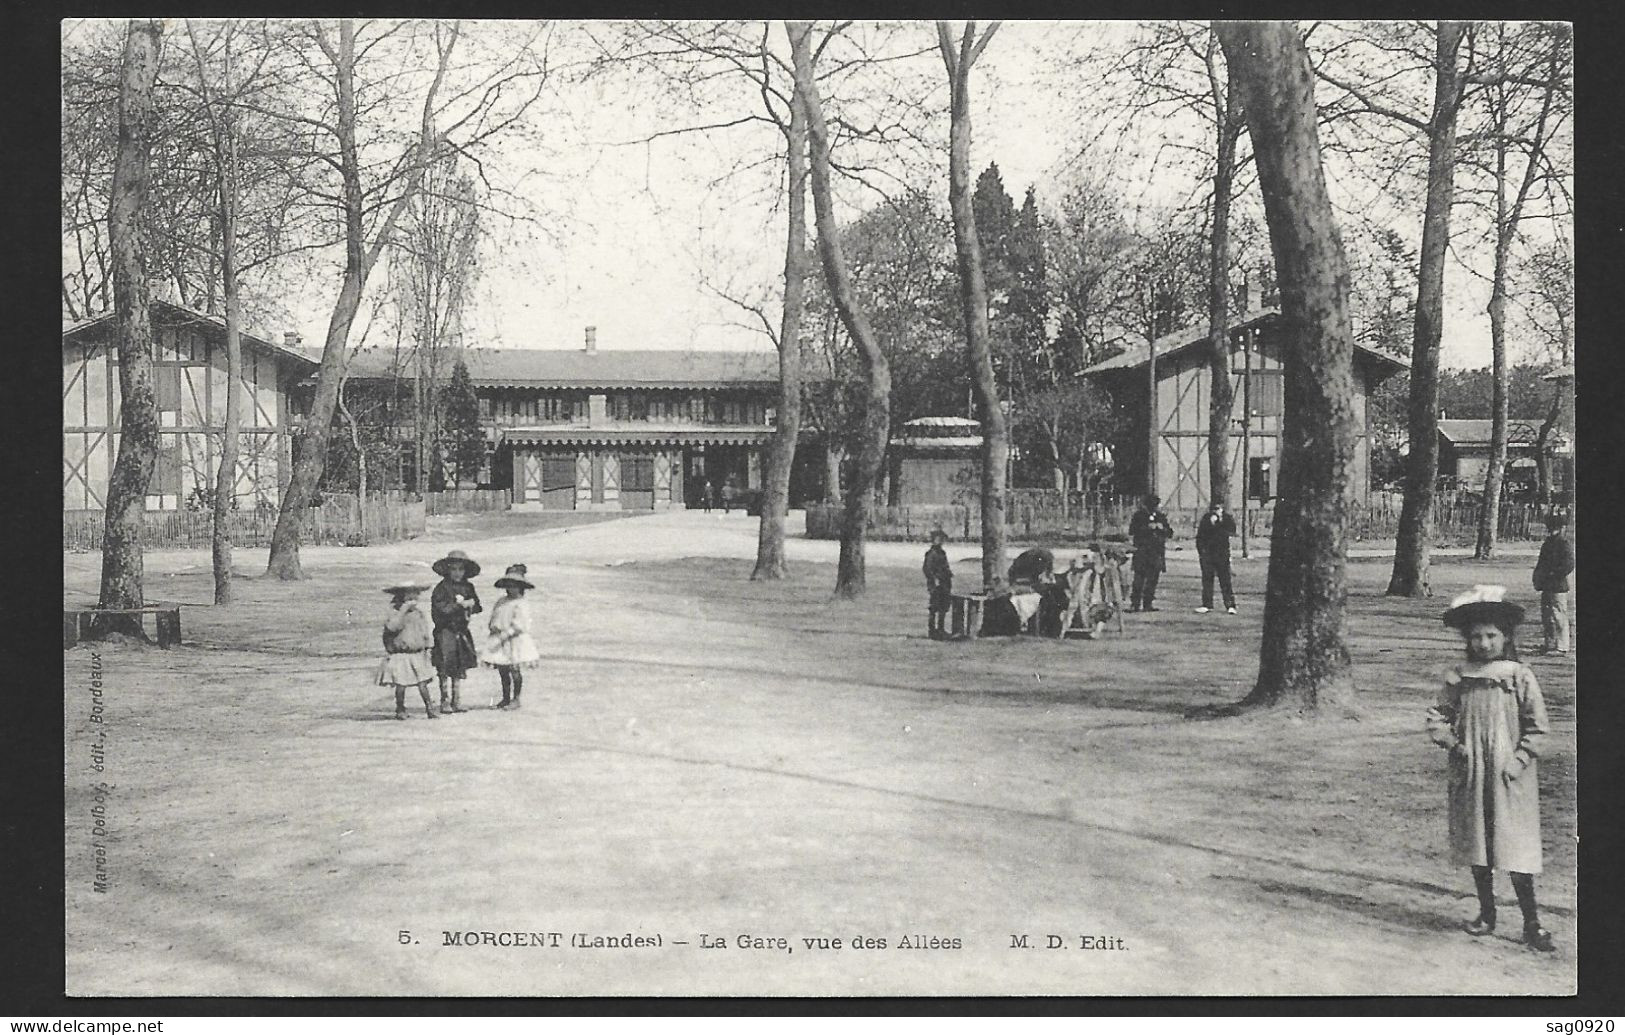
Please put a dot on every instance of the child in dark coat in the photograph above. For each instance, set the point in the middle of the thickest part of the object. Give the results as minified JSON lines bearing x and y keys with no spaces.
{"x":451,"y":604}
{"x":939,"y":585}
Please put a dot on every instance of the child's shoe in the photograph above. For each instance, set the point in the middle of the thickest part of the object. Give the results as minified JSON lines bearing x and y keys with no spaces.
{"x":1479,"y":927}
{"x":428,"y":713}
{"x":1538,"y":938}
{"x":400,"y":713}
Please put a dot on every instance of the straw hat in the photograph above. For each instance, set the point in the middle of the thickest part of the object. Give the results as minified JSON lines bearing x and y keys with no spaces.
{"x":1483,"y":604}
{"x":470,"y":568}
{"x":514,"y":576}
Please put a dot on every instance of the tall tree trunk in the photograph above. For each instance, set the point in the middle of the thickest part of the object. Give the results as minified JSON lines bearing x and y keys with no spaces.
{"x":1410,"y":574}
{"x":122,"y":568}
{"x":874,"y":415}
{"x":358,"y":262}
{"x":1304,"y":658}
{"x":360,"y":464}
{"x":1222,"y":398}
{"x":1543,"y":447}
{"x":225,"y":478}
{"x":225,"y":232}
{"x":1489,"y":514}
{"x":973,"y":293}
{"x":834,"y":456}
{"x":771,"y":562}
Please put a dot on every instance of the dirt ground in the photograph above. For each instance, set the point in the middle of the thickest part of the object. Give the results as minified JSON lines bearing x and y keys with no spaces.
{"x":702,"y":758}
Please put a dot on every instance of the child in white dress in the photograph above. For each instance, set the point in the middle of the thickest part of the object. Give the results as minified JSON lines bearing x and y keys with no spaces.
{"x":510,"y":648}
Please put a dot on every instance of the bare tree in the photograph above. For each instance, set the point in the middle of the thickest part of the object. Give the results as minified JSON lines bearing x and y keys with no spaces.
{"x":875,"y":414}
{"x":122,"y":568}
{"x":1304,"y":659}
{"x":224,"y":138}
{"x":1547,"y":288}
{"x":1176,"y":69}
{"x":1363,"y":97}
{"x":959,"y":60}
{"x":1526,"y":105}
{"x":434,"y":269}
{"x":476,"y":112}
{"x":771,"y":562}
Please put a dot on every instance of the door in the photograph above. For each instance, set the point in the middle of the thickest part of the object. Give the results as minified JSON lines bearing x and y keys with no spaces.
{"x":558,"y":482}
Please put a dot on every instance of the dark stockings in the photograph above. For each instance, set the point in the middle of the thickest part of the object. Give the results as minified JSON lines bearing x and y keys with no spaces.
{"x":513,"y":681}
{"x":1523,"y":884}
{"x":1484,"y":881}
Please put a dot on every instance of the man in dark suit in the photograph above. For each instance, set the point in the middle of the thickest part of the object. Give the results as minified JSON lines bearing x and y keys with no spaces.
{"x":1552,"y":570}
{"x":1150,"y":531}
{"x":1213,"y":534}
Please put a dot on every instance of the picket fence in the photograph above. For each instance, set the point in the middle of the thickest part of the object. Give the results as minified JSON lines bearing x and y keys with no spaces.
{"x":468,"y":501}
{"x":337,"y":522}
{"x":1039,"y":514}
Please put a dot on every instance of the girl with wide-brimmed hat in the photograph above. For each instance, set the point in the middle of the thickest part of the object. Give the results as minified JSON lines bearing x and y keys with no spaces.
{"x":1491,"y":717}
{"x":510,"y":649}
{"x":451,"y":604}
{"x":408,"y":635}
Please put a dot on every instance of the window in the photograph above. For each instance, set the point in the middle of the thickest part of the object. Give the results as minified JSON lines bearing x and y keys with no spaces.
{"x":1258,"y":477}
{"x":1267,"y":393}
{"x":558,"y":472}
{"x":167,"y":387}
{"x":485,"y":407}
{"x":638,"y":473}
{"x":696,"y":408}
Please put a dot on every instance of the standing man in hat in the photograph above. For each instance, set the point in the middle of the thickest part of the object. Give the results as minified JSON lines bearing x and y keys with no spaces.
{"x":939,"y":586}
{"x":1150,"y":530}
{"x":1213,"y":534}
{"x":1552,"y":570}
{"x":451,"y":604}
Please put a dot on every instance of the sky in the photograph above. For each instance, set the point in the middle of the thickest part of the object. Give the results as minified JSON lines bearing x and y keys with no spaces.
{"x":643,"y":240}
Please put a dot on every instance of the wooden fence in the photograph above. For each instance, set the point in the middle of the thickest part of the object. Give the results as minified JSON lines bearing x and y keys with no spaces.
{"x":468,"y":501}
{"x":337,"y":522}
{"x":1040,"y":514}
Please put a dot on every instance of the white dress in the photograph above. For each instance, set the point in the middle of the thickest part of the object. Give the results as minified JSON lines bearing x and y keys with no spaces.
{"x":510,"y":642}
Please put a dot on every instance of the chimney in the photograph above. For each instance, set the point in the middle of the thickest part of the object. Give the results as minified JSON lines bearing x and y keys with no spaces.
{"x":292,"y":339}
{"x":592,"y":339}
{"x":1254,"y":293}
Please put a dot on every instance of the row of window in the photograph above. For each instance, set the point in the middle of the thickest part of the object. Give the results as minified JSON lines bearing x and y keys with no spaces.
{"x":659,"y":407}
{"x":637,"y":473}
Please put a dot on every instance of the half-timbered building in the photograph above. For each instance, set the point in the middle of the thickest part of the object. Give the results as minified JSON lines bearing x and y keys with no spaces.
{"x":1173,"y":461}
{"x":592,"y":429}
{"x":189,"y":382}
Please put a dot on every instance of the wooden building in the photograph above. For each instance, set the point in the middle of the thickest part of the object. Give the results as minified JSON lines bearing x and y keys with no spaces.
{"x":615,"y":429}
{"x":1464,"y":456}
{"x":1178,"y":469}
{"x":936,"y":461}
{"x":189,"y":374}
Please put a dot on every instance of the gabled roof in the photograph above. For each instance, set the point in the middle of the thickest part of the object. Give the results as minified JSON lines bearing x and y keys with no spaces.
{"x":577,"y":368}
{"x":1136,"y":355}
{"x":99,"y":328}
{"x":1477,"y":432}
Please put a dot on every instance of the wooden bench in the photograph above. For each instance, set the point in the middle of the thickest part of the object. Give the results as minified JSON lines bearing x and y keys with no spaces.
{"x":967,"y":614}
{"x":77,"y":622}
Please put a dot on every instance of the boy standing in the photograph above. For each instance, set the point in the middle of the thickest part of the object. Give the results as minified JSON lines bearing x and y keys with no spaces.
{"x":939,"y":585}
{"x":1552,"y":571}
{"x":1213,"y":534}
